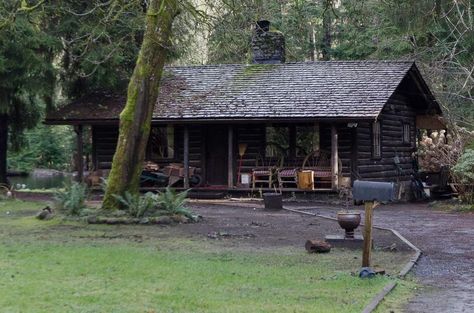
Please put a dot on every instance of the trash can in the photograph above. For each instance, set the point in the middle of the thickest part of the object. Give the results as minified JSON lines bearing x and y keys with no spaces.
{"x":273,"y":201}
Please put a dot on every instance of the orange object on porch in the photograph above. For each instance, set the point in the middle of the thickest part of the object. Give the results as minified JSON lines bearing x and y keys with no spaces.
{"x":306,"y":180}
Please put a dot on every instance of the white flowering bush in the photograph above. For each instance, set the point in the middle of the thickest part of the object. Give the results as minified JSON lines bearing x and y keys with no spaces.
{"x":440,"y":149}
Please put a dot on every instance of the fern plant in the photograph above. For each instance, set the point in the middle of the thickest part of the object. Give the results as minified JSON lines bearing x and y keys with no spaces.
{"x":72,"y":199}
{"x":137,"y":205}
{"x":173,"y":203}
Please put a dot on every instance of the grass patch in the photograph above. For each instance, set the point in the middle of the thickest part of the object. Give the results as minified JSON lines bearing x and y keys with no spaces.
{"x":14,"y":207}
{"x":452,"y":205}
{"x":58,"y":266}
{"x":397,"y":299}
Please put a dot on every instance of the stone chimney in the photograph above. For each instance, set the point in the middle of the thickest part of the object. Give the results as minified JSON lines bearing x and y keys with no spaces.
{"x":268,"y":47}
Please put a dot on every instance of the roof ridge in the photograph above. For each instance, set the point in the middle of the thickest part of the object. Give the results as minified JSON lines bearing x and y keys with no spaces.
{"x":292,"y":63}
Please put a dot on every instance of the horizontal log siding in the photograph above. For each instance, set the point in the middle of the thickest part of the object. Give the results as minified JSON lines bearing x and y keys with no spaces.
{"x":396,"y":112}
{"x":104,"y":143}
{"x":254,"y":137}
{"x":345,"y":139}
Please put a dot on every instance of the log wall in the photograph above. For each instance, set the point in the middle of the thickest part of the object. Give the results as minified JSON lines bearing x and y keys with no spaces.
{"x":395,"y":114}
{"x":104,"y":143}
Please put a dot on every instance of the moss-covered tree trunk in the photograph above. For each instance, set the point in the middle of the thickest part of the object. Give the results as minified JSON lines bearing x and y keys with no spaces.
{"x":135,"y":119}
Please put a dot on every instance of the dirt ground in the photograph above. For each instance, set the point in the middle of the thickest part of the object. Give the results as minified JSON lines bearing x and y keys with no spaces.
{"x":247,"y":223}
{"x":446,"y":267}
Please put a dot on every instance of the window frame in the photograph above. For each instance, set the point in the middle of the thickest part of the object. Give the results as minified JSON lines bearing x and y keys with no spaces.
{"x":406,"y":133}
{"x":376,"y":139}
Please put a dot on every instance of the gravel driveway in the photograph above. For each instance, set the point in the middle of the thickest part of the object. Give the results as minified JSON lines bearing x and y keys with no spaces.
{"x":446,"y":267}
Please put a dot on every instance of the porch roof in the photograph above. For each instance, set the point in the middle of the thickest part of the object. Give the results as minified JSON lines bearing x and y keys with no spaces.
{"x":316,"y":90}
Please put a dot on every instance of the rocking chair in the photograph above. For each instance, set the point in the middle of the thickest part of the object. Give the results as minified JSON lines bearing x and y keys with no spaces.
{"x":319,"y":162}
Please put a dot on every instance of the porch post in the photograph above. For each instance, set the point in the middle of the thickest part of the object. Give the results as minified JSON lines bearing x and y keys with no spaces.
{"x":230,"y":157}
{"x":80,"y":153}
{"x":334,"y":158}
{"x":186,"y":157}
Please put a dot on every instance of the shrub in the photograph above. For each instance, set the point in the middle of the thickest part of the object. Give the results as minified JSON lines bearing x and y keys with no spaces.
{"x":137,"y":205}
{"x":463,"y":176}
{"x":168,"y":202}
{"x":72,"y":199}
{"x":173,"y":203}
{"x":441,"y":149}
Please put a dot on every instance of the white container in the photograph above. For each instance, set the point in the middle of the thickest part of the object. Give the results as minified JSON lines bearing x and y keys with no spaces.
{"x":245,"y":179}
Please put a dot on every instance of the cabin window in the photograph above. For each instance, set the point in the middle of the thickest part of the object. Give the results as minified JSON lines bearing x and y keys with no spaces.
{"x":161,"y":143}
{"x":376,"y":140}
{"x":406,"y":133}
{"x":277,"y":141}
{"x":307,"y":140}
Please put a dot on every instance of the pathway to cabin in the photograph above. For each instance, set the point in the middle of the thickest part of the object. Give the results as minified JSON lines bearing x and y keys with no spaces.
{"x":446,"y":266}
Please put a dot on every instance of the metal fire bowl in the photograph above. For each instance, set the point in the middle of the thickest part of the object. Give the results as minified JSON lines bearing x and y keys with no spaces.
{"x":348,"y":220}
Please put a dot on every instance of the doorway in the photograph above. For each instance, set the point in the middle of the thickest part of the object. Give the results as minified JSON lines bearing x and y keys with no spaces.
{"x":216,"y":155}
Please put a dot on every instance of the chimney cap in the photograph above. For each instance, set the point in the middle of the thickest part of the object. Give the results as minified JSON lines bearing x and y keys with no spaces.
{"x":262,"y":26}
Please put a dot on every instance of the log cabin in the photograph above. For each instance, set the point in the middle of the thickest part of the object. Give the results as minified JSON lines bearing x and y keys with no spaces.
{"x":228,"y":120}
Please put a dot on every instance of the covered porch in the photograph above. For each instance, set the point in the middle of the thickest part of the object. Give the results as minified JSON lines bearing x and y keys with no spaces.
{"x":240,"y":156}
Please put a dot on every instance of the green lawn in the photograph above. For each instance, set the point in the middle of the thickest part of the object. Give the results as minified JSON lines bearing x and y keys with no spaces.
{"x":60,"y":266}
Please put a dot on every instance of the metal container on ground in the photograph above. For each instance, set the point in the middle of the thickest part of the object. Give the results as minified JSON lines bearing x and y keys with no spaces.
{"x":273,"y":201}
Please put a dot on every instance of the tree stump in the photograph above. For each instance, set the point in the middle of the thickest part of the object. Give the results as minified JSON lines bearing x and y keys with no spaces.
{"x":317,"y":246}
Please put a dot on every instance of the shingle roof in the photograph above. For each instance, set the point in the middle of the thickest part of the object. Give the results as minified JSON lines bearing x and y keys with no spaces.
{"x":333,"y":89}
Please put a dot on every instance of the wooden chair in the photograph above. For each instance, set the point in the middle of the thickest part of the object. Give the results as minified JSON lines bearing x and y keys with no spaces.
{"x":288,"y":176}
{"x":264,"y":174}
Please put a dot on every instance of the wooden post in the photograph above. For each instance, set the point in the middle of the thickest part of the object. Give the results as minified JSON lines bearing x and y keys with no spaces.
{"x":334,"y":158}
{"x":95,"y":162}
{"x":369,"y":211}
{"x":186,"y":157}
{"x":230,"y":157}
{"x":80,"y":153}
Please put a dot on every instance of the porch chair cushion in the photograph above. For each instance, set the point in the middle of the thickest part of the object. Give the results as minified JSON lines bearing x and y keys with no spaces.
{"x":288,"y":172}
{"x":261,"y":172}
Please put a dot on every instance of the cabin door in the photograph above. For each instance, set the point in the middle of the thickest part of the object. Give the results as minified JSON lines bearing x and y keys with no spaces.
{"x":216,"y":155}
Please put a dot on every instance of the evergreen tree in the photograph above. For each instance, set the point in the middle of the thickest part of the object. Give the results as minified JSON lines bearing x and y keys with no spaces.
{"x":23,"y":73}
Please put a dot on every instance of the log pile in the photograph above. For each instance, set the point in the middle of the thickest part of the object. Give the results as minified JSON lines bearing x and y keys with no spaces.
{"x":317,"y":246}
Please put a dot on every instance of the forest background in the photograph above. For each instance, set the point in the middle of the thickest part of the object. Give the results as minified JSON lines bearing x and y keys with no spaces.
{"x":55,"y":51}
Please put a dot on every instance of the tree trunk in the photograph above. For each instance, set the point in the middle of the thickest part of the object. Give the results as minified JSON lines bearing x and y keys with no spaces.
{"x":327,"y":38}
{"x":135,"y":119}
{"x":3,"y":148}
